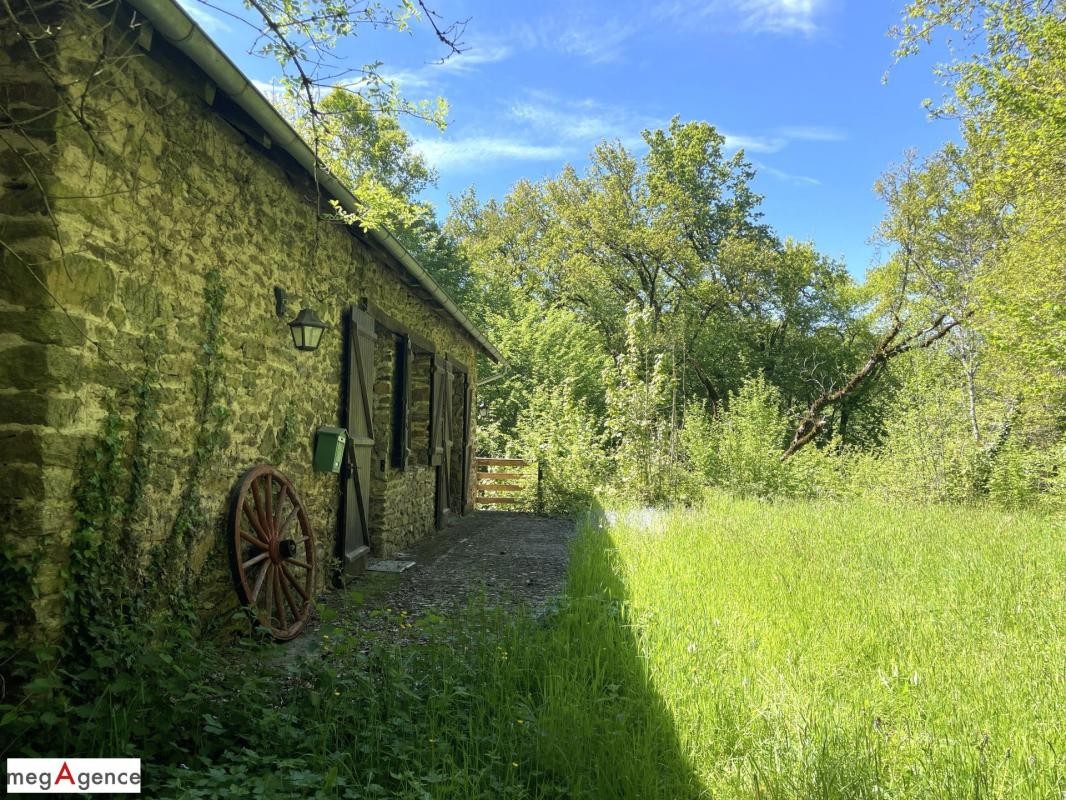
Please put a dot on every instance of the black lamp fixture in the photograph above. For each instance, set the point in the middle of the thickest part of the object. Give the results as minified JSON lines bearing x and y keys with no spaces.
{"x":307,"y":330}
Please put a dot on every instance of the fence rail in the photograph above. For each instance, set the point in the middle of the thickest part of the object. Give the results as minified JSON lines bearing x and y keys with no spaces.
{"x":503,"y":481}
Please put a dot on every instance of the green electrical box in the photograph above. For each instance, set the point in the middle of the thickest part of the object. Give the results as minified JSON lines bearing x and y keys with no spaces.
{"x":329,"y":449}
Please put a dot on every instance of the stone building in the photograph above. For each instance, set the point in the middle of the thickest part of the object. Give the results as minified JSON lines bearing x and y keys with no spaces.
{"x":160,"y":229}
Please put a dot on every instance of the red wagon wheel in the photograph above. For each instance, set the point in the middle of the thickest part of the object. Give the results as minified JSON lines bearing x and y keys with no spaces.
{"x":272,"y":551}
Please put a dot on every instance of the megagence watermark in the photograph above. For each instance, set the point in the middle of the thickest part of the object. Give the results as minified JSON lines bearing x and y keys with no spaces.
{"x":73,"y":775}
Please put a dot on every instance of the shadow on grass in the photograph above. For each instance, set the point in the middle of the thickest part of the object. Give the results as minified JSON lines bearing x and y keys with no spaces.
{"x":484,"y":703}
{"x":604,"y":728}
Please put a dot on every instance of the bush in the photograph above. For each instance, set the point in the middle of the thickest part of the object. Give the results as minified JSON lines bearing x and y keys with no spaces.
{"x":559,"y":432}
{"x":740,"y":450}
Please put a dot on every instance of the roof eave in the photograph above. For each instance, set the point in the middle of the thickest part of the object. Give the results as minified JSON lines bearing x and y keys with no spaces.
{"x":171,"y":21}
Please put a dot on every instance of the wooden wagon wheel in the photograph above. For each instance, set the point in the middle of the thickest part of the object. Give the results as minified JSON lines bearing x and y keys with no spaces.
{"x":272,"y":551}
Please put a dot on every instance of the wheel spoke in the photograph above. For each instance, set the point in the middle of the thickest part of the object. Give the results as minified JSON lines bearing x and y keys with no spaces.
{"x":277,"y":601}
{"x":289,"y":599}
{"x":296,"y":585}
{"x":268,"y":509}
{"x":299,"y":563}
{"x":263,"y":529}
{"x":252,"y":540}
{"x":281,"y":502}
{"x":259,"y":582}
{"x":253,"y":561}
{"x":254,"y":521}
{"x":288,"y":520}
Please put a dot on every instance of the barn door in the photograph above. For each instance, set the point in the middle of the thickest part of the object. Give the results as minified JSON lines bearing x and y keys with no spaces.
{"x":441,"y":436}
{"x":360,"y":424}
{"x":468,"y":445}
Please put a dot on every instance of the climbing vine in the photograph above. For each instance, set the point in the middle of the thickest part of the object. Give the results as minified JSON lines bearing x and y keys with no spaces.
{"x":109,"y":591}
{"x":211,"y":417}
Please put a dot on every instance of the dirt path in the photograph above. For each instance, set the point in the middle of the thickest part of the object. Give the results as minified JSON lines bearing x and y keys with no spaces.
{"x":512,"y":558}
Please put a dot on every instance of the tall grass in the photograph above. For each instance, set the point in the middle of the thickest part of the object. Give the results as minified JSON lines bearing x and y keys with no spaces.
{"x":850,"y":650}
{"x":789,"y":650}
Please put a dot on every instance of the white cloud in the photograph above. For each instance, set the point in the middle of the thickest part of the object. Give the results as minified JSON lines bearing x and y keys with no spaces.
{"x":409,"y":79}
{"x":754,"y":144}
{"x":813,"y":133}
{"x":759,"y":16}
{"x":779,"y":16}
{"x":597,"y":44}
{"x":595,"y":40}
{"x":788,"y":177}
{"x":579,"y":120}
{"x":211,"y":23}
{"x":270,"y":90}
{"x":475,"y":56}
{"x":474,"y":150}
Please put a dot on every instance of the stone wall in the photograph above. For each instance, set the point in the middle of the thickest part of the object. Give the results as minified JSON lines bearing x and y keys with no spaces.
{"x":116,"y":241}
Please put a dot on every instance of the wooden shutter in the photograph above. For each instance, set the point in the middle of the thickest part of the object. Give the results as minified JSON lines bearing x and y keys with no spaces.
{"x":401,"y":398}
{"x":360,"y":424}
{"x":468,"y":444}
{"x":441,"y":436}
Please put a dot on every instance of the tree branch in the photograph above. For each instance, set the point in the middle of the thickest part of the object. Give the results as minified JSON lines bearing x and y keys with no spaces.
{"x":812,"y":422}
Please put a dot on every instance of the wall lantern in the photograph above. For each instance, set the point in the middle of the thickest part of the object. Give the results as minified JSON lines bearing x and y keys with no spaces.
{"x":307,"y":330}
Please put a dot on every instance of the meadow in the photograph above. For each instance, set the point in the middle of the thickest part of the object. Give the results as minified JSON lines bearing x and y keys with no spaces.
{"x":745,"y":649}
{"x":851,"y":650}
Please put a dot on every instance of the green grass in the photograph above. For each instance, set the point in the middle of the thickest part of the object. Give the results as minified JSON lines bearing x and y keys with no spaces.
{"x":790,"y":650}
{"x":850,"y":650}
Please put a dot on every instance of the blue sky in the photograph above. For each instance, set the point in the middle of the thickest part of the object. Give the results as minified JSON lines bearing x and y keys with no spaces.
{"x":796,"y":83}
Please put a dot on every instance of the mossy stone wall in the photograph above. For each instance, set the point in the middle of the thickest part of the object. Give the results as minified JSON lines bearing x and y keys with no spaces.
{"x":103,"y":289}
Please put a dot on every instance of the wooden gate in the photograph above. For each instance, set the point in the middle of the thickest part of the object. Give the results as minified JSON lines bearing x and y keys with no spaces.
{"x":359,"y":420}
{"x":503,"y":481}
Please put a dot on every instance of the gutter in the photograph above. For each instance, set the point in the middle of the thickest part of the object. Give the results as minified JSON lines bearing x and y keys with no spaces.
{"x":178,"y":28}
{"x":505,"y":368}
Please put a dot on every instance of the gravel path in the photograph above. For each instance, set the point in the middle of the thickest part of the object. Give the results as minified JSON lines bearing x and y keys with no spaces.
{"x":512,"y":558}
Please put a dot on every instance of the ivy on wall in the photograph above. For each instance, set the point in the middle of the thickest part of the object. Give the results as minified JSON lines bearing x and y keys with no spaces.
{"x":110,"y":593}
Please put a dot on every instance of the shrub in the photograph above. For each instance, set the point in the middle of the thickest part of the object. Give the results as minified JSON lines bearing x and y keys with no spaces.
{"x":740,"y":450}
{"x":559,"y":432}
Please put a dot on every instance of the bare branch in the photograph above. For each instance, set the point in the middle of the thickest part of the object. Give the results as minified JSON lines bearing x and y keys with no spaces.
{"x":813,"y":421}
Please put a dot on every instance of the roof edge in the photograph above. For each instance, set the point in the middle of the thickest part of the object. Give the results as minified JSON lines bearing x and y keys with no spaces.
{"x":175,"y":25}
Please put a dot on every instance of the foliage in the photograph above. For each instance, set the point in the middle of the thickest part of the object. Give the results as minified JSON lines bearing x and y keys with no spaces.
{"x":738,"y":450}
{"x":642,"y":415}
{"x":649,"y":284}
{"x":484,"y":703}
{"x":645,"y":679}
{"x":557,"y":430}
{"x":542,"y":349}
{"x":127,"y":613}
{"x":1006,"y":85}
{"x":372,"y":153}
{"x":301,"y":35}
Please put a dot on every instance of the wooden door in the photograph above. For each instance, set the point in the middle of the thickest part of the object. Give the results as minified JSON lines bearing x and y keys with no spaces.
{"x":441,"y":436}
{"x":360,"y":424}
{"x":468,"y":444}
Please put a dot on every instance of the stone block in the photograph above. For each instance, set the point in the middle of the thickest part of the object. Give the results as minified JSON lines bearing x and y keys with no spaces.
{"x":39,"y":366}
{"x":18,"y":481}
{"x":47,"y":326}
{"x":32,"y":408}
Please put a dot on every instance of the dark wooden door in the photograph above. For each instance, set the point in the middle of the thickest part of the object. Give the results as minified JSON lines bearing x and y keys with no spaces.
{"x":360,"y":424}
{"x":468,"y":444}
{"x":441,"y":436}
